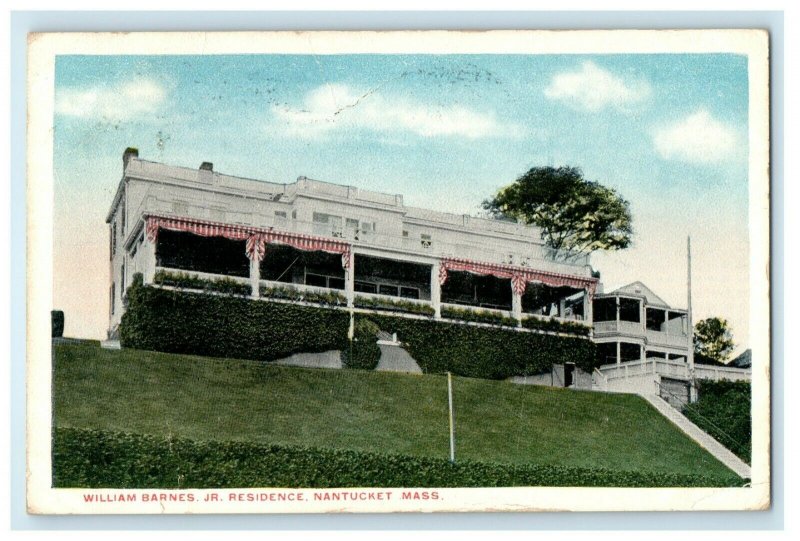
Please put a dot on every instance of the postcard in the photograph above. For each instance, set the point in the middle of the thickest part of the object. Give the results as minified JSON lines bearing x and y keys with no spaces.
{"x":347,"y":272}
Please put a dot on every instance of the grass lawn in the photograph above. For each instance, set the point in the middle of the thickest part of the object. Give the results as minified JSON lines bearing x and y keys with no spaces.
{"x":230,"y":400}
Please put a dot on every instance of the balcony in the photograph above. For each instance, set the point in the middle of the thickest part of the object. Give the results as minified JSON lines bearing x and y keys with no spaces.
{"x":631,"y":328}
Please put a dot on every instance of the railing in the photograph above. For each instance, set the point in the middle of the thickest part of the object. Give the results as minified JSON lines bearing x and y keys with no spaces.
{"x":673,"y":369}
{"x":667,"y":339}
{"x":601,"y":379}
{"x":628,"y":327}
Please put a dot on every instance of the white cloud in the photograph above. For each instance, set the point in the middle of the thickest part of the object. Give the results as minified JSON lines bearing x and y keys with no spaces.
{"x":122,"y":101}
{"x":592,"y":88}
{"x":698,"y":138}
{"x":339,"y":106}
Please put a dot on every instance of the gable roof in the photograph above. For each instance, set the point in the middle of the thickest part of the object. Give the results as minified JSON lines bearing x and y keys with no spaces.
{"x":638,"y":289}
{"x":744,"y":360}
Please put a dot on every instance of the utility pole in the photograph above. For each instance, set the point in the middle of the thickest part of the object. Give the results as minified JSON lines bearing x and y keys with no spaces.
{"x":452,"y":424}
{"x":690,"y":322}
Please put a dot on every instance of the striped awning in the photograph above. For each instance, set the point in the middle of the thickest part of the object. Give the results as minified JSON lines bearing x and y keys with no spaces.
{"x":257,"y":238}
{"x":519,"y":276}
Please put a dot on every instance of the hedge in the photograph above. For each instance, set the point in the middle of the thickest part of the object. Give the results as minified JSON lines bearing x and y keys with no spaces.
{"x":363,"y":351}
{"x":223,"y":326}
{"x":228,"y":286}
{"x":393,"y":305}
{"x":554,"y":325}
{"x":723,"y":411}
{"x":483,"y":352}
{"x":331,"y":298}
{"x":101,"y":459}
{"x":479,"y":316}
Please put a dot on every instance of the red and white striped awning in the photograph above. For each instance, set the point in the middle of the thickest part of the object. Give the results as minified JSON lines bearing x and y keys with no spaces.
{"x":519,"y":276}
{"x":257,"y":238}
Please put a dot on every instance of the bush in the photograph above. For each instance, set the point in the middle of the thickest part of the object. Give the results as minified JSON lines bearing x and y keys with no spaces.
{"x":57,"y":323}
{"x":331,"y":298}
{"x":184,"y":280}
{"x":554,"y":325}
{"x":100,"y":459}
{"x":482,"y":352}
{"x":199,"y":324}
{"x":363,"y":351}
{"x":723,"y":411}
{"x":393,"y":305}
{"x":478,"y":316}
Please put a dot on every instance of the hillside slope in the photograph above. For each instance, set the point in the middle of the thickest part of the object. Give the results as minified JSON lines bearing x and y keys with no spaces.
{"x":229,"y":400}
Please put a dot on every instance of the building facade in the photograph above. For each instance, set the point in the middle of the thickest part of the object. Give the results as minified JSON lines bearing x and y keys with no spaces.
{"x":366,"y":247}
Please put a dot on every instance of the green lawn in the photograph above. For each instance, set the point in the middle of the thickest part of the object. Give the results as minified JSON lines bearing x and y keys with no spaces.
{"x":229,"y":400}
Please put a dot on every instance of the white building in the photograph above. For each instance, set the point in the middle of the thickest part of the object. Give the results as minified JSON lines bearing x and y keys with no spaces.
{"x":319,"y":237}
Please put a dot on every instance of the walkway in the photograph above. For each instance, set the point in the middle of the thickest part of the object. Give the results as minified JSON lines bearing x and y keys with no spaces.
{"x":396,"y":359}
{"x":326,"y":359}
{"x":708,"y":443}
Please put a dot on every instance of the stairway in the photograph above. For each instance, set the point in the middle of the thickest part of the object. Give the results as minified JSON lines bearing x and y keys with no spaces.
{"x":719,"y":451}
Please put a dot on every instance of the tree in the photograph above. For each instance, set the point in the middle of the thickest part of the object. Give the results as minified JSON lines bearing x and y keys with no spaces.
{"x":573,"y":213}
{"x":713,"y":341}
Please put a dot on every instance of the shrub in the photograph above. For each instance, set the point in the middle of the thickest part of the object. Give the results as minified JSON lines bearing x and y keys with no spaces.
{"x":479,"y":316}
{"x":482,"y":352}
{"x":393,"y":305}
{"x":99,"y":459}
{"x":554,"y":325}
{"x":331,"y":298}
{"x":184,"y":280}
{"x":57,"y":323}
{"x":363,"y":351}
{"x":219,"y":326}
{"x":723,"y":411}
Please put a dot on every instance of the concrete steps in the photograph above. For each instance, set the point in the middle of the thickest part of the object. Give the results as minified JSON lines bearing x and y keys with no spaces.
{"x":719,"y":451}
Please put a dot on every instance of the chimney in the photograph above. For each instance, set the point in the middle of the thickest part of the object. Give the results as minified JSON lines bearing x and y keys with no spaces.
{"x":206,"y":166}
{"x":129,"y":153}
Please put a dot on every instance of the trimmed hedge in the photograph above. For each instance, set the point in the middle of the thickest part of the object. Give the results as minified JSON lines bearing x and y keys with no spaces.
{"x":478,"y":316}
{"x":482,"y":352}
{"x":554,"y":325}
{"x":184,"y":280}
{"x":332,"y":298}
{"x":723,"y":411}
{"x":221,"y":326}
{"x":363,"y":351}
{"x":100,"y":459}
{"x":393,"y":305}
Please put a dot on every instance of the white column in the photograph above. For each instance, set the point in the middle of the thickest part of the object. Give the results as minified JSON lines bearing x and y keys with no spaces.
{"x":255,"y":277}
{"x":619,"y":352}
{"x":149,"y":256}
{"x":436,"y":290}
{"x":350,"y":281}
{"x":516,"y":305}
{"x":587,"y":308}
{"x":562,"y":308}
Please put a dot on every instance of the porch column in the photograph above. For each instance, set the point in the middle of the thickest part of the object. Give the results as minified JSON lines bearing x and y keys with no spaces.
{"x":436,"y":290}
{"x":255,"y":277}
{"x":516,"y":305}
{"x":587,"y":307}
{"x":619,"y":352}
{"x":149,"y":271}
{"x":562,"y":308}
{"x":350,"y":281}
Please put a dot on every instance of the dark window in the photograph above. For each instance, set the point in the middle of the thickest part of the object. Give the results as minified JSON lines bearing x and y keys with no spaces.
{"x":364,"y":287}
{"x":630,"y":352}
{"x":607,"y":353}
{"x":569,"y":374}
{"x":316,"y":280}
{"x":213,"y":255}
{"x":335,"y":283}
{"x":655,"y":319}
{"x":604,"y":309}
{"x":113,"y":294}
{"x":409,"y":292}
{"x":629,"y":310}
{"x":385,"y":289}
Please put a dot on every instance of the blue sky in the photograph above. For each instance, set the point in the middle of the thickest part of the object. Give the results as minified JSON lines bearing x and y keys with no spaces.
{"x":668,"y":131}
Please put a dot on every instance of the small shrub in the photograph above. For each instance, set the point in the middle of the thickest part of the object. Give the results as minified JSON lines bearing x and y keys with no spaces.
{"x":723,"y":411}
{"x":393,"y":305}
{"x":363,"y":351}
{"x":554,"y":325}
{"x":478,"y":316}
{"x":185,"y":280}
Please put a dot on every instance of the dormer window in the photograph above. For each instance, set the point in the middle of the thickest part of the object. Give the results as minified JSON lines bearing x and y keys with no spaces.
{"x":425,"y":240}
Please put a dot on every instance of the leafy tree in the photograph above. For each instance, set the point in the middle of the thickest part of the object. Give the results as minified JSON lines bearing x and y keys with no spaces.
{"x":574,"y":214}
{"x":713,"y":341}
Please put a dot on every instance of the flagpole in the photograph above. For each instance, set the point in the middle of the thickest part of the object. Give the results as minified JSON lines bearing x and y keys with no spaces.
{"x":690,"y":324}
{"x":452,"y":424}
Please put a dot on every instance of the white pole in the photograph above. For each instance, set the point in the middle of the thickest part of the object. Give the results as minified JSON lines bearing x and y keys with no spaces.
{"x":452,"y":424}
{"x":690,"y":324}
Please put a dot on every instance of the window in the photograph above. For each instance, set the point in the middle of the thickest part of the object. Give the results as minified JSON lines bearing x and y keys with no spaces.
{"x":316,"y":280}
{"x":327,"y":224}
{"x":425,"y":240}
{"x":122,"y":281}
{"x":351,"y":226}
{"x":409,"y":292}
{"x":385,"y":289}
{"x":113,"y":239}
{"x":280,"y":218}
{"x":113,"y":294}
{"x":364,"y":287}
{"x":122,"y":217}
